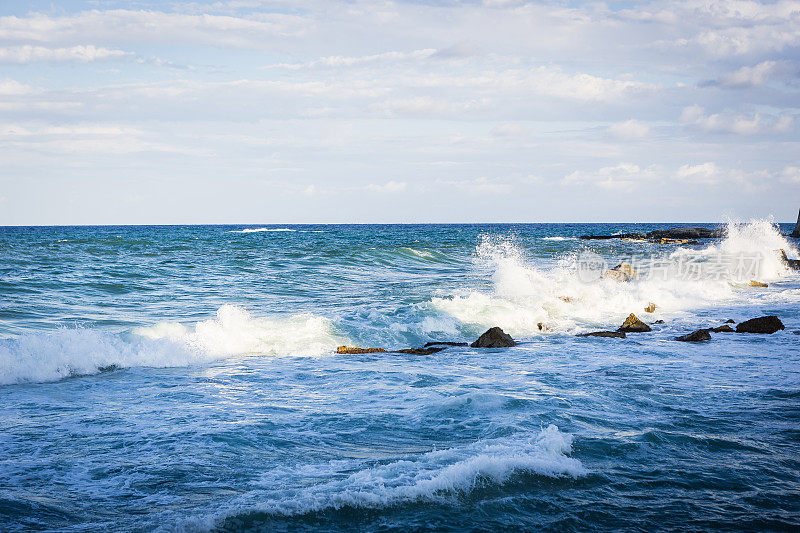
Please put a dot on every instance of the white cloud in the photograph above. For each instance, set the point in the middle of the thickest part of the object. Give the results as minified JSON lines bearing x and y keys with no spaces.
{"x":621,"y":176}
{"x":11,"y":88}
{"x":480,"y":185}
{"x":737,"y":124}
{"x":753,"y":76}
{"x":630,"y":129}
{"x":151,"y":27}
{"x":81,"y":54}
{"x":389,"y":187}
{"x":790,"y":174}
{"x":702,"y":173}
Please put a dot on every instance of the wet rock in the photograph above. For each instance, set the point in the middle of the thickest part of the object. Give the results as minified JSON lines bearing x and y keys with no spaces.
{"x":658,"y":322}
{"x":765,"y":324}
{"x":651,"y":307}
{"x":688,"y":233}
{"x":725,"y":328}
{"x":794,"y":264}
{"x":616,"y":334}
{"x":730,"y":321}
{"x":629,"y":236}
{"x":419,"y":351}
{"x":356,"y":351}
{"x":565,"y":299}
{"x":444,"y":343}
{"x":698,"y":336}
{"x":633,"y":325}
{"x":621,"y":272}
{"x":543,"y":327}
{"x":494,"y":338}
{"x":754,"y":283}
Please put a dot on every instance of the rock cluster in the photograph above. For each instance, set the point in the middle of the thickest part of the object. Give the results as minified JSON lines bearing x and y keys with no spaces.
{"x":667,"y":236}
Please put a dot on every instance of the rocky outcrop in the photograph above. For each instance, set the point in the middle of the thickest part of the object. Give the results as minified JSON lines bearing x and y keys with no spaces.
{"x":697,"y":336}
{"x":796,"y":231}
{"x":730,"y":321}
{"x":615,"y":334}
{"x":687,"y":235}
{"x":494,"y":338}
{"x":621,"y":272}
{"x":356,"y":351}
{"x":794,"y":264}
{"x":764,"y":324}
{"x":651,"y":308}
{"x":754,"y":283}
{"x":633,"y":325}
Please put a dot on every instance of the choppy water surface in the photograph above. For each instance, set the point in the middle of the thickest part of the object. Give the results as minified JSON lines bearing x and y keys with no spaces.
{"x":185,"y":378}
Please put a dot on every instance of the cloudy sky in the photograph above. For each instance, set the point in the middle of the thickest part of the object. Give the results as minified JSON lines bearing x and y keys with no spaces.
{"x":248,"y":111}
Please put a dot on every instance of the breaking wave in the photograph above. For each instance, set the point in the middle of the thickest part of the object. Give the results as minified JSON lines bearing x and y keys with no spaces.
{"x":232,"y":332}
{"x":523,"y":297}
{"x":432,"y":476}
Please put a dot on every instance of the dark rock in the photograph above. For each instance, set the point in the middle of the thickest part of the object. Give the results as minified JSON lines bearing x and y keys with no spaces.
{"x":635,"y":236}
{"x":444,"y":343}
{"x":796,"y":231}
{"x":764,"y":324}
{"x":633,"y":325}
{"x":494,"y":338}
{"x":658,"y":322}
{"x":698,"y":336}
{"x":794,"y":264}
{"x":730,"y":321}
{"x":616,"y":334}
{"x":356,"y":351}
{"x":725,"y":328}
{"x":688,"y":233}
{"x":419,"y":351}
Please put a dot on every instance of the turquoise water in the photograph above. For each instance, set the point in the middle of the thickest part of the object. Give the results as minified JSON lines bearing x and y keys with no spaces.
{"x":185,"y":378}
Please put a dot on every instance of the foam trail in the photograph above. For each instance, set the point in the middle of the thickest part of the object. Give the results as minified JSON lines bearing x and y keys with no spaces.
{"x":233,"y":332}
{"x":260,"y":230}
{"x":430,"y":476}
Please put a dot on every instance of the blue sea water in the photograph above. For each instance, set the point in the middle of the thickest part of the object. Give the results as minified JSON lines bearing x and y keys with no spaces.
{"x":186,"y":378}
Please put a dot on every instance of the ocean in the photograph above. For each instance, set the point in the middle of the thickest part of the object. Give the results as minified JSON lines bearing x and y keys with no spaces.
{"x":185,"y":378}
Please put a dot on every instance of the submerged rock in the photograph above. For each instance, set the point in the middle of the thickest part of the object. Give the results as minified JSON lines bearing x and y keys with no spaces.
{"x":444,"y":343}
{"x":724,"y":328}
{"x":698,"y":336}
{"x":765,"y":324}
{"x":419,"y":351}
{"x":355,"y":351}
{"x":494,"y":338}
{"x":633,"y":325}
{"x":651,"y":307}
{"x":616,"y":334}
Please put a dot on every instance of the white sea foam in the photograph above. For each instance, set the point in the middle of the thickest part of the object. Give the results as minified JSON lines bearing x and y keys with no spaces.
{"x":430,"y":476}
{"x":259,"y":230}
{"x":559,"y":238}
{"x":524,"y":296}
{"x":233,"y":332}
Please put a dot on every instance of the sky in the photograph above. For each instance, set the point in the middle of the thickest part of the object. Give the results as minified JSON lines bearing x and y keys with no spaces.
{"x":248,"y":111}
